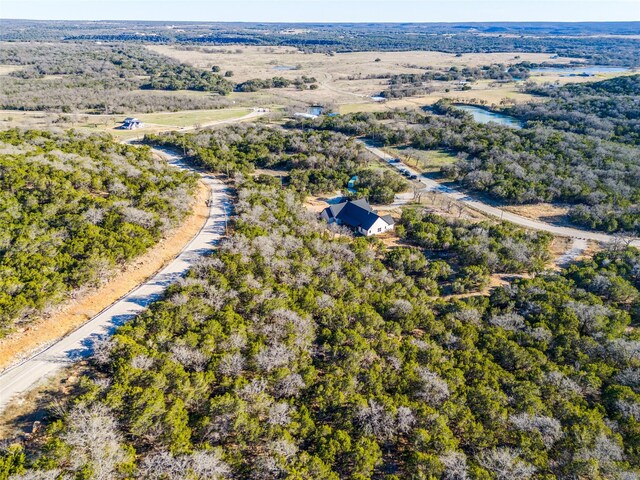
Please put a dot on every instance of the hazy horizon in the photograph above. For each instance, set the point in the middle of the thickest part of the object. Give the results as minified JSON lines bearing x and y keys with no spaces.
{"x":326,"y":11}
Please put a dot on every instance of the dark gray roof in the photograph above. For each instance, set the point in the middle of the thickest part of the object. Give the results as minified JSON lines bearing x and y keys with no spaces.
{"x":354,"y":213}
{"x":332,"y":211}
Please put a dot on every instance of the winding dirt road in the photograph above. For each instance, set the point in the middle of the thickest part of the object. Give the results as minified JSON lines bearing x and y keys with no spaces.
{"x":36,"y":368}
{"x":457,"y":195}
{"x":79,"y":343}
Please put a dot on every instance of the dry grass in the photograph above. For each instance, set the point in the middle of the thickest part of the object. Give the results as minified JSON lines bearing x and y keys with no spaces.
{"x":562,"y":79}
{"x":558,"y":247}
{"x":7,"y":69}
{"x":262,"y":62}
{"x":545,"y":212}
{"x":317,"y":203}
{"x":192,"y":117}
{"x":340,"y":75}
{"x":153,"y":122}
{"x":422,"y":160}
{"x":74,"y":313}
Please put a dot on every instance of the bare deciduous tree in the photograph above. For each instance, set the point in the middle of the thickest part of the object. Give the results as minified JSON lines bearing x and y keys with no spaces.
{"x":289,"y":386}
{"x":93,"y":436}
{"x":190,"y":358}
{"x":455,"y":466}
{"x":506,"y":464}
{"x":549,"y":428}
{"x":508,"y":321}
{"x":279,"y":414}
{"x":231,"y":364}
{"x":433,"y":389}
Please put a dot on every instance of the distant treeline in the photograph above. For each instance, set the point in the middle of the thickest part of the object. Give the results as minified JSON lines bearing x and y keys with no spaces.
{"x":255,"y":84}
{"x":608,"y":109}
{"x":566,"y":40}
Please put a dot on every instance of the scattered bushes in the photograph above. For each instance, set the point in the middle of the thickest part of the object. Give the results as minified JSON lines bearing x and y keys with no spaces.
{"x":102,"y":78}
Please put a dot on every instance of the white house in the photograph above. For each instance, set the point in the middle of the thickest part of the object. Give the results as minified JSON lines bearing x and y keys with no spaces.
{"x":358,"y":215}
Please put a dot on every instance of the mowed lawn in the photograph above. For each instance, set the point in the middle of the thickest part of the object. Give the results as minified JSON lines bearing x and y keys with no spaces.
{"x":190,"y":118}
{"x":422,"y":160}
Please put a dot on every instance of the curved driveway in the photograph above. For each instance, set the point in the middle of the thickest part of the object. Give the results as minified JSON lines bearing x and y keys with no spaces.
{"x":79,"y":343}
{"x":457,"y":195}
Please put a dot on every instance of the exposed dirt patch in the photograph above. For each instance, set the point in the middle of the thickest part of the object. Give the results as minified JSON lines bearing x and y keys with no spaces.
{"x":29,"y":414}
{"x":74,"y":313}
{"x":559,"y":245}
{"x":392,"y":240}
{"x":545,"y":212}
{"x":317,"y":203}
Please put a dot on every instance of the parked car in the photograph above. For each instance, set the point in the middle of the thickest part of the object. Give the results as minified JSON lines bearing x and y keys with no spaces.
{"x":394,"y":160}
{"x":413,"y":177}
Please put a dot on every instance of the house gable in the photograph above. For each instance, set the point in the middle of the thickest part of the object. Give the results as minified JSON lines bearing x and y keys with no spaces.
{"x":358,"y":215}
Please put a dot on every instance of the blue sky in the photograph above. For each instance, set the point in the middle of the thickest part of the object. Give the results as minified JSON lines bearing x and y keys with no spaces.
{"x":325,"y":10}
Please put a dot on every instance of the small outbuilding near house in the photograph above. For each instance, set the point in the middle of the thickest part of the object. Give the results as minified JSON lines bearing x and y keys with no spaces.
{"x":131,"y":123}
{"x":358,"y":215}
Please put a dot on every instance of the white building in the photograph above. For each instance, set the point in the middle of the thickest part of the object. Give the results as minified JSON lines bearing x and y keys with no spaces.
{"x":358,"y":215}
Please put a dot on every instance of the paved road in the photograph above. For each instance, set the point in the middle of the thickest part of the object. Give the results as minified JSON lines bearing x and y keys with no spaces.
{"x":455,"y":194}
{"x":78,"y":344}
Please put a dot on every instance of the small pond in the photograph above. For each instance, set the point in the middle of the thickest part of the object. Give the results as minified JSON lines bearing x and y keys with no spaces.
{"x":587,"y":70}
{"x":284,"y":67}
{"x":482,"y":115}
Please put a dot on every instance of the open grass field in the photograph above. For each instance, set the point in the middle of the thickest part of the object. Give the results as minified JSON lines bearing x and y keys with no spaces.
{"x":487,"y":91}
{"x":265,"y":62}
{"x":7,"y":69}
{"x":422,"y":160}
{"x":153,"y":123}
{"x":192,"y":117}
{"x":342,"y":78}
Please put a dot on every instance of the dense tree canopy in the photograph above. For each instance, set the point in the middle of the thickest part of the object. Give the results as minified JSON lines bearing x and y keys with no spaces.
{"x":256,"y":84}
{"x":475,"y":249}
{"x":298,"y":351}
{"x":293,"y":353}
{"x":72,"y":207}
{"x":608,"y":109}
{"x":313,"y":162}
{"x":601,"y":178}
